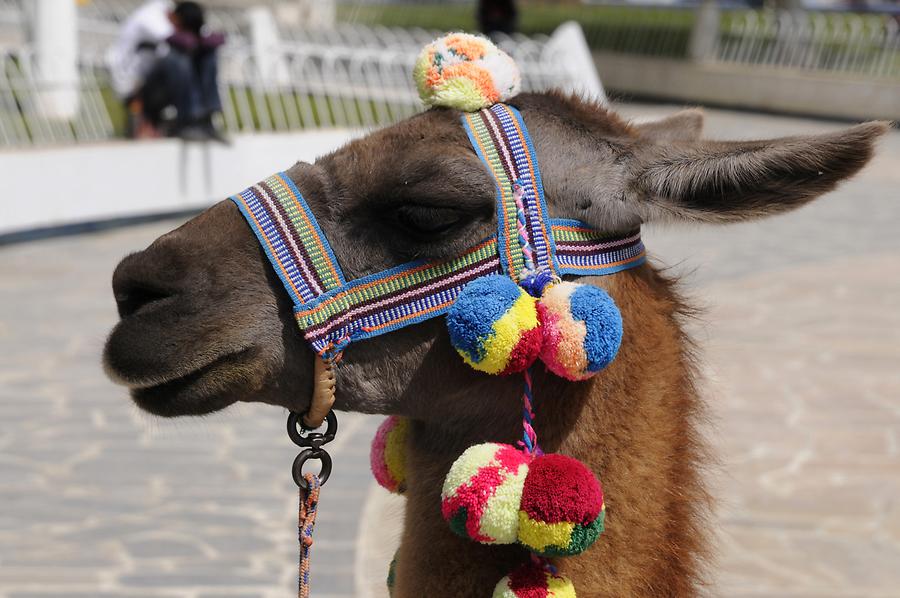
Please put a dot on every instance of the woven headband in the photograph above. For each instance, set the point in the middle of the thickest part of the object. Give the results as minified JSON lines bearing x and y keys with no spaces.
{"x":332,"y":312}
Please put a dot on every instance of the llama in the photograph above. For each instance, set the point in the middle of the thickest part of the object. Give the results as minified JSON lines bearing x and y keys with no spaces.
{"x":205,"y":322}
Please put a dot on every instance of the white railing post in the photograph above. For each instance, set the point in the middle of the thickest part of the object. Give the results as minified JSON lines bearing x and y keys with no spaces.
{"x":54,"y":35}
{"x":266,"y":47}
{"x":705,"y":34}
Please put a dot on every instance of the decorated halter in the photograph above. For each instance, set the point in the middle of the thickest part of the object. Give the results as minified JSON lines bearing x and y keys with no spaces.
{"x":506,"y":306}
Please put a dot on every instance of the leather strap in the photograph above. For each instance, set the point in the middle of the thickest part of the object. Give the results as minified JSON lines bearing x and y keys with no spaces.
{"x":323,"y":393}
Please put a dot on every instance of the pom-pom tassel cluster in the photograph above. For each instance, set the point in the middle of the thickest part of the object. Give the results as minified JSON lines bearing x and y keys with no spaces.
{"x":499,"y":328}
{"x":552,"y":505}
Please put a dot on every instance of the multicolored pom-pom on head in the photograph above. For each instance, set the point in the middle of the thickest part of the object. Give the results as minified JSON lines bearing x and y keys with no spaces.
{"x":533,"y":581}
{"x":562,"y":508}
{"x":582,"y":329}
{"x":494,"y":325}
{"x":388,"y":454}
{"x":465,"y":72}
{"x":482,"y":493}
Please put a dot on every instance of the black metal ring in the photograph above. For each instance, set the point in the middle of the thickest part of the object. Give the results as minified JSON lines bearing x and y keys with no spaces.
{"x":302,"y":458}
{"x":303,"y":436}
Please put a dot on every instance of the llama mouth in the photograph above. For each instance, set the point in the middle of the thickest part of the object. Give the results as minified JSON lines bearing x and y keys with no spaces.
{"x":198,"y":391}
{"x":189,"y":370}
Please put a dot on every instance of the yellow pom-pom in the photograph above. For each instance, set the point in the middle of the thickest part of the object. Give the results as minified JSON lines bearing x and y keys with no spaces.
{"x":465,"y":72}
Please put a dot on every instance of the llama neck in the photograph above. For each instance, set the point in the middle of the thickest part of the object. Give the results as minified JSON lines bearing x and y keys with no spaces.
{"x":633,"y":425}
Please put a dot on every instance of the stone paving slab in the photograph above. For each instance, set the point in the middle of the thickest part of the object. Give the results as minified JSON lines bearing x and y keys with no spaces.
{"x":800,"y":340}
{"x":808,"y":422}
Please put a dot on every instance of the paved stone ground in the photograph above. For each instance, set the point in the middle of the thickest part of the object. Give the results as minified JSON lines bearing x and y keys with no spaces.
{"x":801,"y":340}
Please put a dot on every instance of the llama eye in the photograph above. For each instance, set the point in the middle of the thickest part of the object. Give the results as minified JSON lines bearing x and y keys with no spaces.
{"x":426,"y":221}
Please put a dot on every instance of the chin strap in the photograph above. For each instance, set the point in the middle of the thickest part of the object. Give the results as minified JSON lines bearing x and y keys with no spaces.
{"x":302,"y":430}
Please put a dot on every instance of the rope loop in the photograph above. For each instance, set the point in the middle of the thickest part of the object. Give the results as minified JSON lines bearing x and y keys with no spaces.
{"x":316,"y":454}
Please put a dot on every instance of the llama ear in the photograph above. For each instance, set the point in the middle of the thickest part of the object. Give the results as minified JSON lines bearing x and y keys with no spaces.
{"x":731,"y":181}
{"x":684,"y":125}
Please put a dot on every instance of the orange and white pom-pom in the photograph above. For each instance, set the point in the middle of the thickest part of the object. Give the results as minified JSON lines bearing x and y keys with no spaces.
{"x":466,"y":72}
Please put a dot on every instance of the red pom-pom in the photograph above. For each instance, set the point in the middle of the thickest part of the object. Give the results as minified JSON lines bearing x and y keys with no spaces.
{"x":562,"y":507}
{"x":561,"y":489}
{"x":525,"y":352}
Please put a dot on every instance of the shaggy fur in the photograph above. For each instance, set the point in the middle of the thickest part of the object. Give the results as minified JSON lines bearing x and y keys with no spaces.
{"x":205,"y":322}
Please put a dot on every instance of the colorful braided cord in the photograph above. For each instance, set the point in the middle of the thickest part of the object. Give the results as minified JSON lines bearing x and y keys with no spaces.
{"x":501,"y":140}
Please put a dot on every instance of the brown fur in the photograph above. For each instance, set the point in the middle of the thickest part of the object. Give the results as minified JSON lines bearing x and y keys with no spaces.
{"x":205,"y":322}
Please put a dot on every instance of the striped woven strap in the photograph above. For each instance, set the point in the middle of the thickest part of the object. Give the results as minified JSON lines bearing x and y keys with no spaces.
{"x":501,"y":140}
{"x":415,"y":292}
{"x":582,"y":251}
{"x":332,"y":312}
{"x":291,"y":237}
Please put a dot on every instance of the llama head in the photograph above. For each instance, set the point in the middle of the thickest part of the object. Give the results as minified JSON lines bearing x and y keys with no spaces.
{"x":205,"y":322}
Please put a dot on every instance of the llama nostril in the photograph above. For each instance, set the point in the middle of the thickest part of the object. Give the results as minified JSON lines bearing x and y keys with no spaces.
{"x":131,"y":299}
{"x":140,"y":281}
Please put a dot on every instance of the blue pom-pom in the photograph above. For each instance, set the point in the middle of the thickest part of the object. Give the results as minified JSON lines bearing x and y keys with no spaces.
{"x":471,"y":317}
{"x":582,"y":330}
{"x":603,"y":321}
{"x":494,"y":325}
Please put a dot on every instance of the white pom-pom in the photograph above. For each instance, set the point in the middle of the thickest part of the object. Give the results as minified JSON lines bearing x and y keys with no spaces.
{"x":466,"y":72}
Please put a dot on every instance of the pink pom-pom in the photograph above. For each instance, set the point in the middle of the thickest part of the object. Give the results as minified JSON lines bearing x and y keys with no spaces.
{"x":388,"y":454}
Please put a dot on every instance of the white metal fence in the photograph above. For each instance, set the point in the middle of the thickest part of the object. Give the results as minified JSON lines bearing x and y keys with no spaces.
{"x":24,"y":118}
{"x":348,"y":76}
{"x":859,"y":44}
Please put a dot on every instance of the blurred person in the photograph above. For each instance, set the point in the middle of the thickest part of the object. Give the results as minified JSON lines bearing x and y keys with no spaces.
{"x":497,"y":16}
{"x":163,"y":58}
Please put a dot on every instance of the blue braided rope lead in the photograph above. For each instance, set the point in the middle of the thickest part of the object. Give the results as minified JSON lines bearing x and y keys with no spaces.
{"x":306,"y":522}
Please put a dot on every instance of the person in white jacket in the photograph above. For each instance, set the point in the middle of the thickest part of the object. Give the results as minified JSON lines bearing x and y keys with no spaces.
{"x":163,"y":58}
